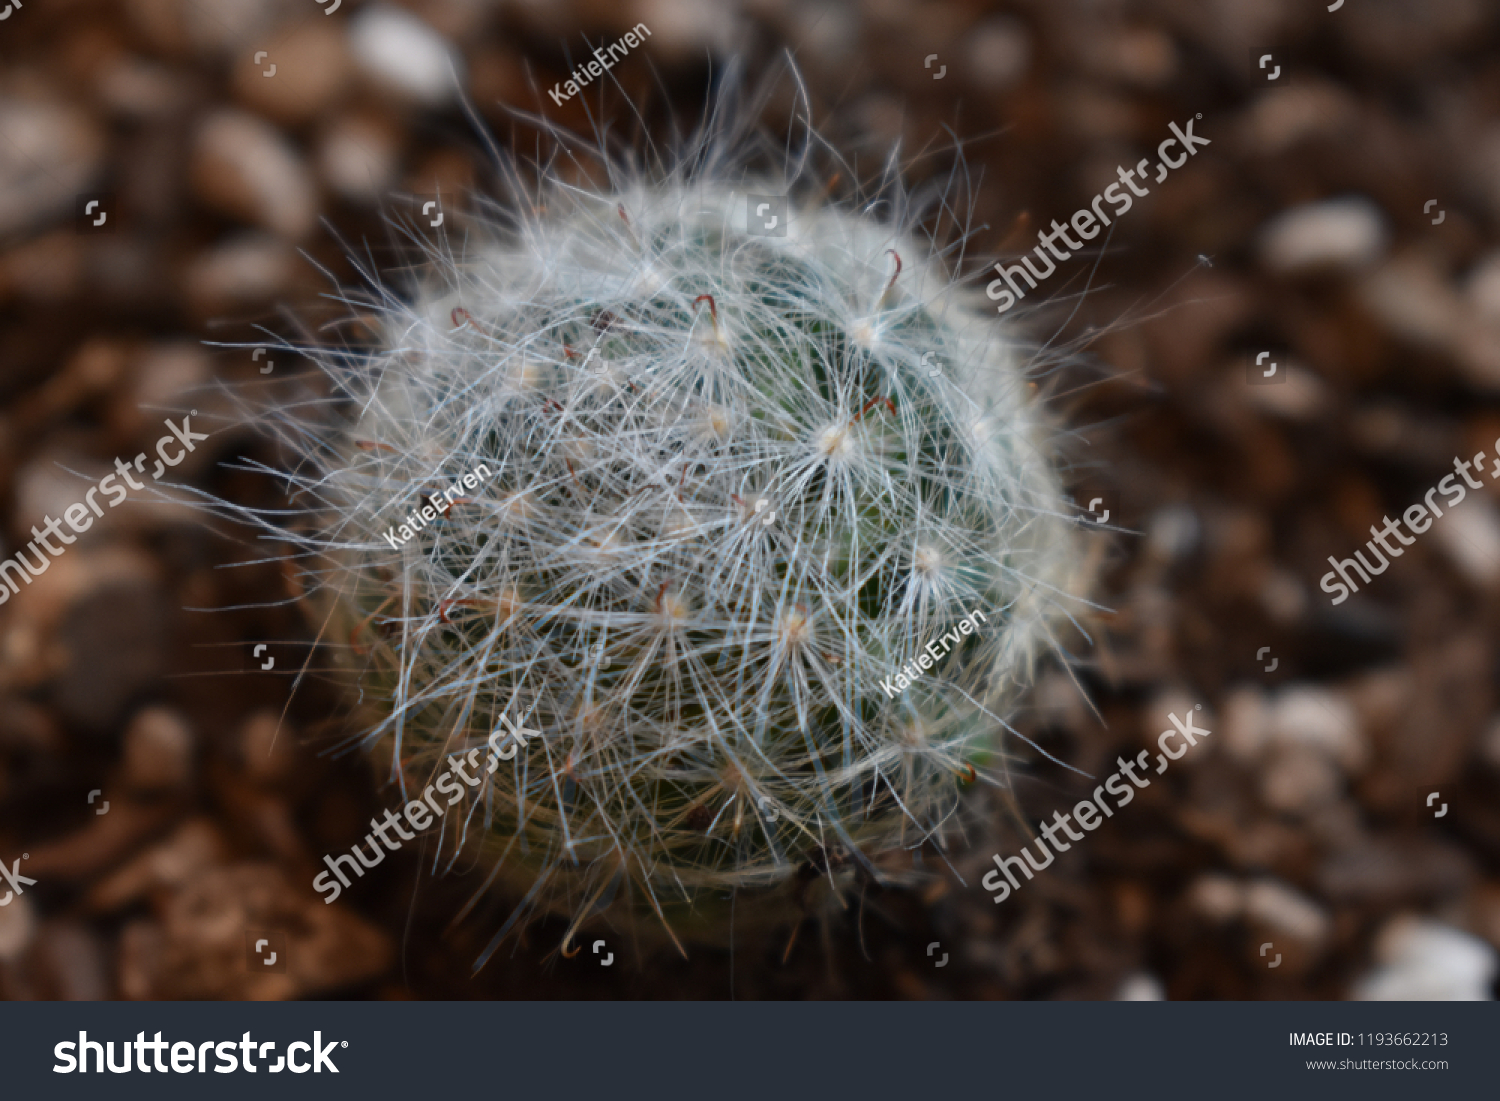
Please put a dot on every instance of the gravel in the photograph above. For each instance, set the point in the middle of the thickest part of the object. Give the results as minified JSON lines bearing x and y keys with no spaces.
{"x":1304,"y":822}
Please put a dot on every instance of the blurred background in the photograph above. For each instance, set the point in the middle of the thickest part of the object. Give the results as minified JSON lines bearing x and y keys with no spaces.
{"x":1338,"y":835}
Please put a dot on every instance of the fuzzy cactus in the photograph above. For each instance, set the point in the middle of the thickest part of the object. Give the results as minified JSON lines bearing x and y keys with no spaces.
{"x":725,"y":489}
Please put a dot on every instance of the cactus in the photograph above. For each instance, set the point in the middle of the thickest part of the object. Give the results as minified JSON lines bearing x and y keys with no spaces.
{"x":724,"y":488}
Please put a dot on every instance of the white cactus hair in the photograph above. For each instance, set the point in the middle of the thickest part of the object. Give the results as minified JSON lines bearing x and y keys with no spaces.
{"x":735,"y":483}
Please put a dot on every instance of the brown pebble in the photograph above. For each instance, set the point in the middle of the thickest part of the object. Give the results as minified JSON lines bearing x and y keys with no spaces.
{"x":70,"y":960}
{"x":192,"y":849}
{"x":203,"y":947}
{"x":302,"y":73}
{"x":268,"y":747}
{"x":158,"y":751}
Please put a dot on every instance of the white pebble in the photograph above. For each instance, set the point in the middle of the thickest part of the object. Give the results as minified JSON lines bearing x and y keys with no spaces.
{"x":1423,"y":961}
{"x":1173,"y":533}
{"x":50,"y":152}
{"x":1307,"y":111}
{"x":1299,"y":781}
{"x":244,"y":167}
{"x":357,"y":158}
{"x":1298,"y":917}
{"x":999,"y":53}
{"x":1341,"y":233}
{"x":1217,"y":897}
{"x":404,"y":55}
{"x":1141,"y":987}
{"x":1470,"y":534}
{"x":681,"y":29}
{"x":1300,"y":395}
{"x":1411,"y":297}
{"x":1318,"y":719}
{"x":247,"y":268}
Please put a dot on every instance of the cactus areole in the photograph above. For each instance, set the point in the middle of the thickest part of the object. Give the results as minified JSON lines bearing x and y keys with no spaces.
{"x":768,"y":537}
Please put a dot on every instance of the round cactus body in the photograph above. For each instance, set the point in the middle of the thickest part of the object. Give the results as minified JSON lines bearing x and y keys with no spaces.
{"x":755,"y":537}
